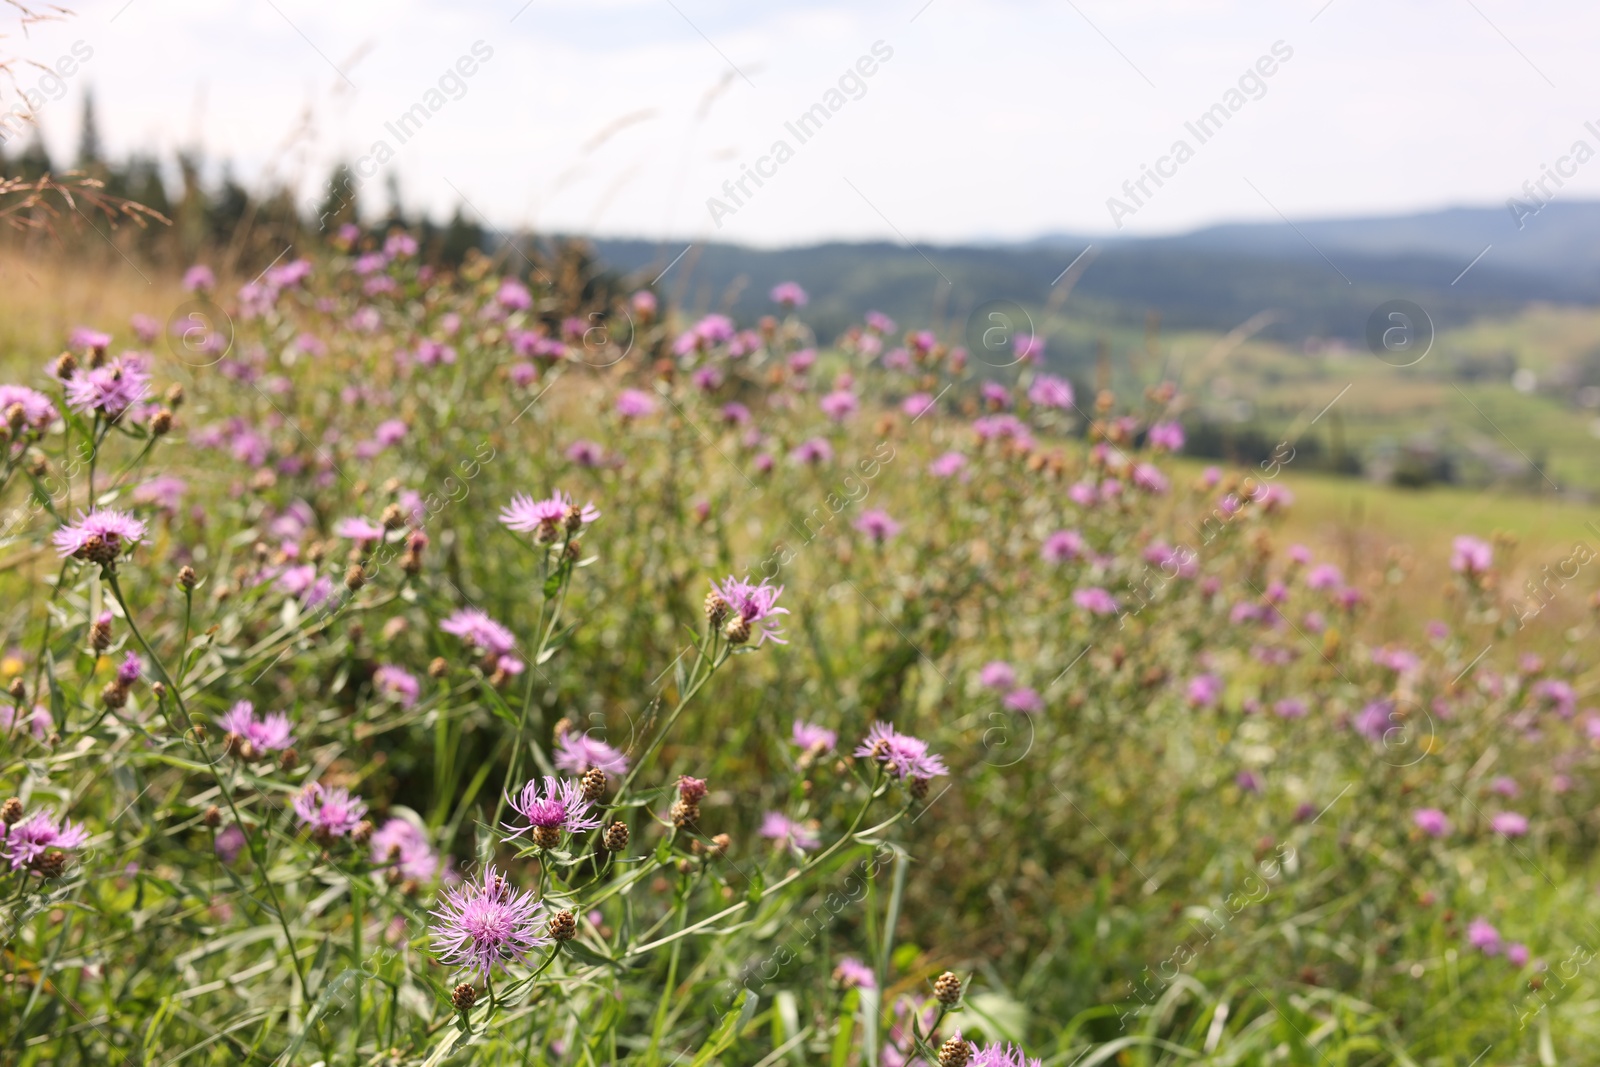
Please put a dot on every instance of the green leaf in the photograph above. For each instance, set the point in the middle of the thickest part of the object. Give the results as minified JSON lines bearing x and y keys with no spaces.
{"x":724,"y":1034}
{"x":847,"y":1027}
{"x":664,"y":851}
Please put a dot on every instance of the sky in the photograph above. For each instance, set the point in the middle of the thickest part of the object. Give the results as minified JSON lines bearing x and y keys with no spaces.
{"x":935,"y":121}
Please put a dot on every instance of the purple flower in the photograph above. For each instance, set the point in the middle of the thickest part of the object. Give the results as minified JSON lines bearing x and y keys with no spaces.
{"x":40,"y":722}
{"x":852,"y":973}
{"x":559,"y":806}
{"x":1204,"y":690}
{"x":1506,"y":787}
{"x":998,"y":674}
{"x":586,"y":453}
{"x":877,"y":320}
{"x":477,"y":629}
{"x":947,"y":465}
{"x":916,"y":404}
{"x":1249,"y":781}
{"x":1471,"y":556}
{"x":813,"y":738}
{"x":756,"y":604}
{"x":513,"y":296}
{"x":484,"y":923}
{"x":903,"y":755}
{"x":25,"y":841}
{"x":34,"y":409}
{"x":1431,"y":821}
{"x":1290,"y":708}
{"x":1001,"y":1056}
{"x":877,"y":525}
{"x":199,"y":279}
{"x":544,"y":516}
{"x":1062,"y":546}
{"x":1028,"y":347}
{"x":735,"y":413}
{"x":390,"y":432}
{"x":1481,"y":935}
{"x":328,"y":813}
{"x":1095,"y":601}
{"x":1509,"y":824}
{"x":1048,"y":391}
{"x":101,"y":535}
{"x":1324,"y":576}
{"x":635,"y":404}
{"x":1557,"y":695}
{"x":576,"y":753}
{"x":1375,"y":720}
{"x":396,"y":684}
{"x":130,"y":670}
{"x":1517,"y":954}
{"x":1025,"y":700}
{"x":816,"y":450}
{"x":788,"y":833}
{"x":403,"y":845}
{"x":1167,"y":436}
{"x":109,"y":389}
{"x":789,"y":294}
{"x":363,"y":532}
{"x":230,"y":842}
{"x":1148,"y":477}
{"x":839,"y":404}
{"x":163,"y":491}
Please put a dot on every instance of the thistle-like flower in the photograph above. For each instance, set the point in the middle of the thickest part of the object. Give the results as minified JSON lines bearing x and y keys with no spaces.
{"x":753,"y":607}
{"x":545,"y":519}
{"x":559,"y":806}
{"x":270,"y":734}
{"x":904,"y":756}
{"x":329,"y":813}
{"x":487,"y":922}
{"x":100,"y":536}
{"x":25,"y":843}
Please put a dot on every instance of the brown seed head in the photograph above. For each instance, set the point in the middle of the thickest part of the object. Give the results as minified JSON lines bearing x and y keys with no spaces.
{"x":361,"y":833}
{"x":438,"y":668}
{"x":355,"y":577}
{"x":100,"y":635}
{"x":463,"y":997}
{"x":737,"y":631}
{"x":51,"y":864}
{"x":289,"y":760}
{"x":11,"y":811}
{"x":947,"y":987}
{"x":547,"y":836}
{"x":616,"y":837}
{"x":18,"y":689}
{"x":161,"y":423}
{"x":716,"y":608}
{"x":685,"y":813}
{"x":594,"y":783}
{"x":563,"y":926}
{"x":114,"y":696}
{"x":175,"y":395}
{"x":212,"y":817}
{"x":955,"y":1052}
{"x":919,"y":788}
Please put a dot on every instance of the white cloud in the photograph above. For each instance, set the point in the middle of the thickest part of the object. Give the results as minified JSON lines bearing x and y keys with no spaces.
{"x":994,"y":117}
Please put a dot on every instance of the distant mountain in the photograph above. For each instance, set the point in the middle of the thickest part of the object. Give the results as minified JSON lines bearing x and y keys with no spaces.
{"x":1560,"y":241}
{"x":1323,"y":278}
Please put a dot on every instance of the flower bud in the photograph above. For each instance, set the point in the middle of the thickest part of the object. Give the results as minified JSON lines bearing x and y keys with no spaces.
{"x":564,"y":926}
{"x":616,"y":837}
{"x":737,"y":631}
{"x":18,"y":690}
{"x":354,"y":578}
{"x":716,"y":608}
{"x":594,"y":783}
{"x":161,"y":423}
{"x":947,"y":987}
{"x":955,"y":1052}
{"x":438,"y":668}
{"x":11,"y":811}
{"x":212,"y":817}
{"x":361,"y":833}
{"x":463,"y":997}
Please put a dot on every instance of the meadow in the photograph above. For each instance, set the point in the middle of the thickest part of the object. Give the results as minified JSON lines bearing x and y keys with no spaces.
{"x":498,"y":665}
